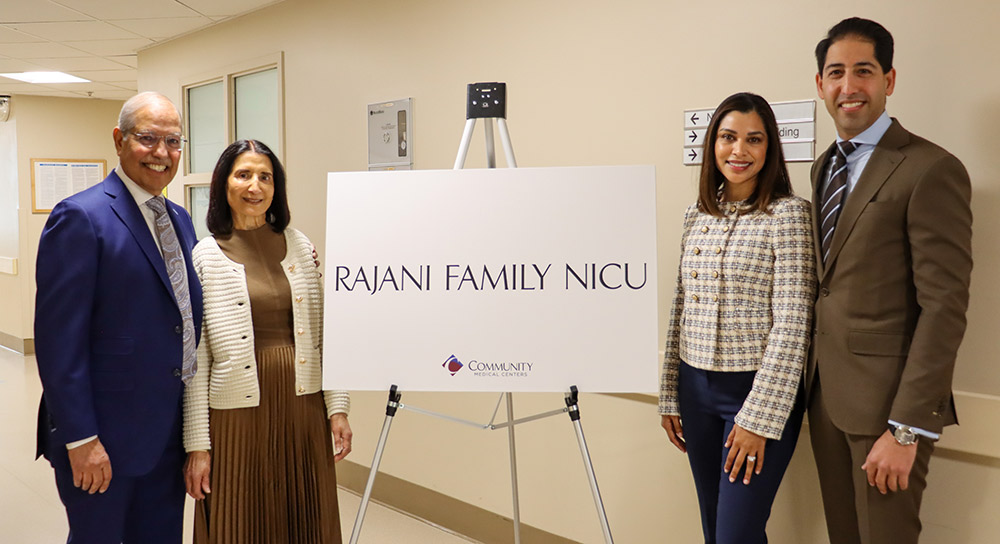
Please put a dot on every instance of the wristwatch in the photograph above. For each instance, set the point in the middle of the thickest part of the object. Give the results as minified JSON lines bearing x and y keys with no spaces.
{"x":903,"y":435}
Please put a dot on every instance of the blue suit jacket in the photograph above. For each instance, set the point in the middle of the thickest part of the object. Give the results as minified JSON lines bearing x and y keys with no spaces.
{"x":108,"y":329}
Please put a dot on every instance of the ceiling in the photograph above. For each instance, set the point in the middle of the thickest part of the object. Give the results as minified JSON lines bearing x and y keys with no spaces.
{"x":97,"y":39}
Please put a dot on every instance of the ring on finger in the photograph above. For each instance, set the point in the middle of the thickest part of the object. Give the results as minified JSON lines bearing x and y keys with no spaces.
{"x":751,"y":458}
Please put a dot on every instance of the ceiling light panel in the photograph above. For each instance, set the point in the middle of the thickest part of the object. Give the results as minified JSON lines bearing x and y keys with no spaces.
{"x":44,"y":77}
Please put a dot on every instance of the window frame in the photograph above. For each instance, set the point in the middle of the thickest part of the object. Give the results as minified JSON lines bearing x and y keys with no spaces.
{"x":227,"y":75}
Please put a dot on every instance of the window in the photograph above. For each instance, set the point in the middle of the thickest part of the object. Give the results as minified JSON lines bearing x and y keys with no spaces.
{"x":206,"y":121}
{"x":256,"y":115}
{"x":244,"y":101}
{"x":196,"y":202}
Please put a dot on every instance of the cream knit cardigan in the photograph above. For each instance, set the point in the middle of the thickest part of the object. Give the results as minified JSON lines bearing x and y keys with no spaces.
{"x":227,"y":369}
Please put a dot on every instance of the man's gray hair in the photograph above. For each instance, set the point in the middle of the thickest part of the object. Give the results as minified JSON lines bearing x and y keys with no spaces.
{"x":126,"y":119}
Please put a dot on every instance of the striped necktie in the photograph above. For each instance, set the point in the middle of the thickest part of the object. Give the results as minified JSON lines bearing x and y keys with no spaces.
{"x":173,"y":257}
{"x":833,"y":197}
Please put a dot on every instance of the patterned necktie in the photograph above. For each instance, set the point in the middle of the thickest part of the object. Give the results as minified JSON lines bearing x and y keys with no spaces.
{"x":833,"y":197}
{"x":173,"y":257}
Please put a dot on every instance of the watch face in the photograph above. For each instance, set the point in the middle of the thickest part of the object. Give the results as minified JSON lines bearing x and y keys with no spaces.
{"x":905,"y":436}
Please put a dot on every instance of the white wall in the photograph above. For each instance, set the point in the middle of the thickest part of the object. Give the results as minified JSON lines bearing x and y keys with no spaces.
{"x":46,"y":128}
{"x":592,"y":83}
{"x":8,"y":190}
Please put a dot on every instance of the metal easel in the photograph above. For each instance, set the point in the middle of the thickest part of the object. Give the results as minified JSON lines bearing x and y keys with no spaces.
{"x":488,"y":101}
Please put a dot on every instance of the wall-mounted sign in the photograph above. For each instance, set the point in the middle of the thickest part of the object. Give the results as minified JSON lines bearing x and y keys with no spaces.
{"x":511,"y":279}
{"x":55,"y":179}
{"x":796,"y":128}
{"x":390,"y":131}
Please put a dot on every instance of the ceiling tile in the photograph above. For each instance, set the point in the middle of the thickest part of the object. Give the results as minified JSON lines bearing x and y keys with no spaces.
{"x":127,"y":60}
{"x":8,"y":86}
{"x":161,"y":29}
{"x":38,"y":50}
{"x":108,"y":76}
{"x":107,"y":48}
{"x":98,"y":39}
{"x":77,"y":64}
{"x":227,"y":8}
{"x":17,"y":65}
{"x":129,"y":86}
{"x":38,"y":11}
{"x":82,"y":30}
{"x":110,"y":10}
{"x":44,"y":91}
{"x":9,"y":35}
{"x":83,"y":87}
{"x":114,"y":95}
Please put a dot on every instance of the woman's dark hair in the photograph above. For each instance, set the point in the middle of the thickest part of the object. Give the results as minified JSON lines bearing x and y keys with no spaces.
{"x":220,"y":216}
{"x":772,"y":180}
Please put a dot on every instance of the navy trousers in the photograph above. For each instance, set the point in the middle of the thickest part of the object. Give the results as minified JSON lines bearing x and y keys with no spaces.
{"x":147,"y":509}
{"x":731,"y":513}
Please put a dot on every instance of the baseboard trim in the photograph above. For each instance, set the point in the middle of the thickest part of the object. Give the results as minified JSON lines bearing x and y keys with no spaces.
{"x":440,"y":509}
{"x":972,"y":441}
{"x":24,"y":346}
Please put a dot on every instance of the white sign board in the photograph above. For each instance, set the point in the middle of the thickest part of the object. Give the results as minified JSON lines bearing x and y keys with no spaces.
{"x":796,"y":129}
{"x":526,"y":279}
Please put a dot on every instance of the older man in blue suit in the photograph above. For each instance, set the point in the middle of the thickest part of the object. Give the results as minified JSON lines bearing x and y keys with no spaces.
{"x":117,"y":318}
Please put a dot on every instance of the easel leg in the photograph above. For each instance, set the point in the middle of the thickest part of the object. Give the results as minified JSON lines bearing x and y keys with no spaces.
{"x":390,"y":413}
{"x":508,"y":147}
{"x":463,"y":147}
{"x":491,"y":153}
{"x":574,"y":415}
{"x":513,"y":469}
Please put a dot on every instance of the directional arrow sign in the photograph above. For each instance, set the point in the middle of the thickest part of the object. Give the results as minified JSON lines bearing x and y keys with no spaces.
{"x":694,"y":137}
{"x":797,"y":110}
{"x":796,"y":130}
{"x":697,"y":118}
{"x":692,"y":156}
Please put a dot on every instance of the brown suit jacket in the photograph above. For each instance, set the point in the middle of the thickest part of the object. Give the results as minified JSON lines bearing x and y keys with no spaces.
{"x":890,"y":311}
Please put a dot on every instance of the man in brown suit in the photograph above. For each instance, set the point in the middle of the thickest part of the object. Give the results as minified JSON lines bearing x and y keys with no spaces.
{"x":893,"y":236}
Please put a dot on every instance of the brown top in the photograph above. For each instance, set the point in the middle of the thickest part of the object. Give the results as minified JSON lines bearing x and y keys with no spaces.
{"x":260,"y":251}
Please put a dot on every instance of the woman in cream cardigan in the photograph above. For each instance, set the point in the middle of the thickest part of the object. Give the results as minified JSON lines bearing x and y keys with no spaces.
{"x":256,"y":425}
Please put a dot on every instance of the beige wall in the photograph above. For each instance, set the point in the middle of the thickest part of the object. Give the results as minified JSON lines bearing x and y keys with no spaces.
{"x":47,"y":128}
{"x":591,"y":83}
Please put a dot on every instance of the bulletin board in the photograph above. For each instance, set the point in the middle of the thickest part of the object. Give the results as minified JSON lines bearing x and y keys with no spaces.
{"x":55,"y":179}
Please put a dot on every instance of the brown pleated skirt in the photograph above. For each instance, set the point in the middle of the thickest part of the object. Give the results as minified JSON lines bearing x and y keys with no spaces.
{"x":272,"y":478}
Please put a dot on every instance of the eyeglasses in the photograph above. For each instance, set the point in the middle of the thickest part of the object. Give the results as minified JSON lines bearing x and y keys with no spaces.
{"x":174,"y":142}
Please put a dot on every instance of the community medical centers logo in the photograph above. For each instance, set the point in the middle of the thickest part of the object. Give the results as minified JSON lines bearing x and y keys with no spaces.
{"x":487,"y":370}
{"x":452,"y":365}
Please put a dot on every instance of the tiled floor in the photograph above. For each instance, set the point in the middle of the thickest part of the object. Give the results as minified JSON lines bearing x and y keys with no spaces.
{"x":30,"y":511}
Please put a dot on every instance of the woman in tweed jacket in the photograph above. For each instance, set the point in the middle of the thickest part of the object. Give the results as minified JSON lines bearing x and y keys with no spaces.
{"x":740,"y":322}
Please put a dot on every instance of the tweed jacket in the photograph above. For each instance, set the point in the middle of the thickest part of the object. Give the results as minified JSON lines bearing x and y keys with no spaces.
{"x":227,"y":368}
{"x":745,"y":289}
